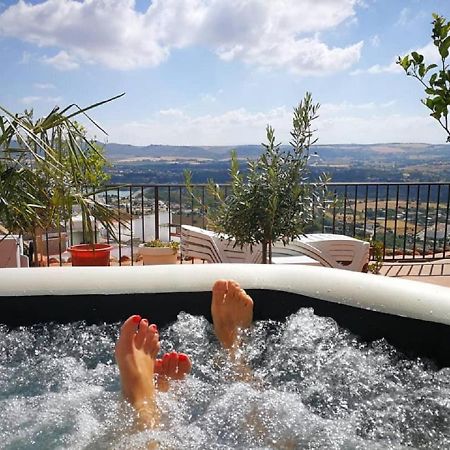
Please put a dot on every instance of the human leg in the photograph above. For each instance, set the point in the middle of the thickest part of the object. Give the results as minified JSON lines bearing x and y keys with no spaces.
{"x":232,"y":311}
{"x":135,"y":352}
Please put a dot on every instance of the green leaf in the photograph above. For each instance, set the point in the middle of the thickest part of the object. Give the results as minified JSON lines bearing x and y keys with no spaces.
{"x":416,"y":57}
{"x":444,"y":47}
{"x":421,"y":70}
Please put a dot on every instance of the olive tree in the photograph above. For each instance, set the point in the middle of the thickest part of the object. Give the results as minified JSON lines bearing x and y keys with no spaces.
{"x":275,"y":199}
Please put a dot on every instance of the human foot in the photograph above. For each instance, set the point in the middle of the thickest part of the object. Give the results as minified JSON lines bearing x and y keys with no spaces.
{"x":135,"y":352}
{"x":232,"y":310}
{"x":173,"y":366}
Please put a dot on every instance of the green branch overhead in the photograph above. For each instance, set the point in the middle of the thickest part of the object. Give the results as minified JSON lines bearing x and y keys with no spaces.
{"x":435,"y":78}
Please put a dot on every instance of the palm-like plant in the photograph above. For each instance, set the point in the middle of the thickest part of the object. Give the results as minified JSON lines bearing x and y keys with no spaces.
{"x":46,"y":167}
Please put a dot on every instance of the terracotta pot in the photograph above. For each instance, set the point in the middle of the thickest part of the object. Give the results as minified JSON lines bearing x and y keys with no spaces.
{"x":158,"y":255}
{"x":90,"y":255}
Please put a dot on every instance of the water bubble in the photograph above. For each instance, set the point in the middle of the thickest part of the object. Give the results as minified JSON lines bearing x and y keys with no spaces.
{"x":312,"y":385}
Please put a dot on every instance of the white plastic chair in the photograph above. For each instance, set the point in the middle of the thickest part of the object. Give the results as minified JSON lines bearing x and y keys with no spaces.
{"x":327,"y":250}
{"x":214,"y":248}
{"x":339,"y":251}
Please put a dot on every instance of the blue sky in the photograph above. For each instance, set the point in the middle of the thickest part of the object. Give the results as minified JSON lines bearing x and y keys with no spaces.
{"x":216,"y":72}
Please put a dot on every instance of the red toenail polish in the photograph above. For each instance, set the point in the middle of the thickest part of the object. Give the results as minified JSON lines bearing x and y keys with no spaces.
{"x":136,"y":319}
{"x":182,"y":357}
{"x":154,"y":328}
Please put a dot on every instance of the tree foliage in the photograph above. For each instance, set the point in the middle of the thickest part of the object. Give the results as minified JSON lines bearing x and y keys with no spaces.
{"x":275,"y":200}
{"x":46,"y":167}
{"x":435,"y":78}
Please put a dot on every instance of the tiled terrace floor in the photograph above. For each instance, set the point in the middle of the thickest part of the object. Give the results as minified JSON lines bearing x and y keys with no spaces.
{"x":435,"y":272}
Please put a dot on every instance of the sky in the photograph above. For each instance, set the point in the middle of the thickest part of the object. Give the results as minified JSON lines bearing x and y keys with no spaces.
{"x":217,"y":72}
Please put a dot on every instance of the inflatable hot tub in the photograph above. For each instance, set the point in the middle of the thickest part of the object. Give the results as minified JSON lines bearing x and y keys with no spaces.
{"x":414,"y":317}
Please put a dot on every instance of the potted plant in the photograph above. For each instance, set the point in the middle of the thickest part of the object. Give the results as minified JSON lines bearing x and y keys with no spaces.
{"x":47,"y":168}
{"x":275,"y":200}
{"x":159,"y":252}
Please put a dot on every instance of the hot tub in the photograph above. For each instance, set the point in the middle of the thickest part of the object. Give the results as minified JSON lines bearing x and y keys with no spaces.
{"x":338,"y":359}
{"x":412,"y":316}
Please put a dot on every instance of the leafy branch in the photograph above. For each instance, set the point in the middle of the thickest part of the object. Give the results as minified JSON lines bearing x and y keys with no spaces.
{"x":434,"y":78}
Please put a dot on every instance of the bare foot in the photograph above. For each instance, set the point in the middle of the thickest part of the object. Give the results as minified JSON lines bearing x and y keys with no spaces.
{"x":136,"y":351}
{"x":173,"y":366}
{"x":232,"y":310}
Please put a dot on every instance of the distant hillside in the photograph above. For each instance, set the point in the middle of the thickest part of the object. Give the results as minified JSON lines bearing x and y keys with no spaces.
{"x":330,"y":154}
{"x":124,"y":151}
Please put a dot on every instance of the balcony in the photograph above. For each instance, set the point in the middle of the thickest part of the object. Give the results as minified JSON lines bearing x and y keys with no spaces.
{"x":410,"y":220}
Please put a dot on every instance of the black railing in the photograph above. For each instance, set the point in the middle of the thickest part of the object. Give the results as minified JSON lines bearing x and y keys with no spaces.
{"x":409,"y":219}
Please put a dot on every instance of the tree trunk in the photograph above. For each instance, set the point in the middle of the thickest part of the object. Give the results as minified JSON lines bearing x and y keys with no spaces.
{"x":37,"y":247}
{"x":264,"y":252}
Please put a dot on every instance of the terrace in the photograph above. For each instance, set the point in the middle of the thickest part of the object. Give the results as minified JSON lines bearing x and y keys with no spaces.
{"x":410,"y":220}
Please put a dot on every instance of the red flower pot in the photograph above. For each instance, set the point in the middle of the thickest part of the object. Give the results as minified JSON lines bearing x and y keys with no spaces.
{"x":90,"y":255}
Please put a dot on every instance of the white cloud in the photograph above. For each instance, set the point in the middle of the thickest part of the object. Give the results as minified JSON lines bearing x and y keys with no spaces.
{"x":61,"y":61}
{"x":429,"y":51}
{"x":332,"y":108}
{"x":208,"y":98}
{"x":375,"y":41}
{"x":174,"y":126}
{"x":376,"y":69}
{"x":26,"y":58}
{"x":404,"y":17}
{"x":44,"y":86}
{"x":33,"y":99}
{"x":380,"y":128}
{"x":338,"y":123}
{"x":171,"y":112}
{"x":407,"y":17}
{"x":272,"y":34}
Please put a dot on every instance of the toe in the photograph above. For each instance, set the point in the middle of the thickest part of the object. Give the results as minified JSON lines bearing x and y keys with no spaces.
{"x":151,"y":344}
{"x":184,"y":365}
{"x":219,"y":291}
{"x":234,"y":291}
{"x":128,"y":331}
{"x":244,"y":298}
{"x":159,"y":367}
{"x":220,"y":288}
{"x":172,"y":364}
{"x":165,"y":363}
{"x":141,"y":334}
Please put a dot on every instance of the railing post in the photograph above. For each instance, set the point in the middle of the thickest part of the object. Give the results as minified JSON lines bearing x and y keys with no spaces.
{"x":156,"y":212}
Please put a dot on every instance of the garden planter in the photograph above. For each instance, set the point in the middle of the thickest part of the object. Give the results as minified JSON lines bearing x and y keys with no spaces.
{"x":90,"y":255}
{"x":158,"y":255}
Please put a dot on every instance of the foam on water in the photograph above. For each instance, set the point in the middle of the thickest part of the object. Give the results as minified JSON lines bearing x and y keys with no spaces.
{"x":314,"y":385}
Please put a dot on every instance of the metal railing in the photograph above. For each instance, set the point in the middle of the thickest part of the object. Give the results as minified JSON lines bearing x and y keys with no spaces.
{"x":409,"y":219}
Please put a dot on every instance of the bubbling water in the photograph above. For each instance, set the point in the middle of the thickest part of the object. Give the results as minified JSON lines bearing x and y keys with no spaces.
{"x":312,"y":385}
